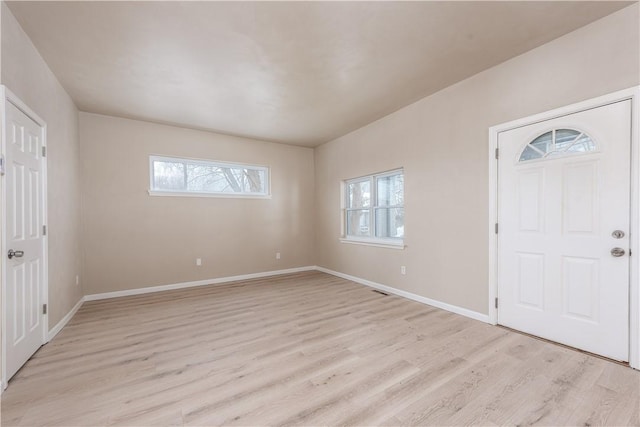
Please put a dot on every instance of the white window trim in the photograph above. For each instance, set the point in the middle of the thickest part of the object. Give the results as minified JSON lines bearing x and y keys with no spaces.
{"x":384,"y":242}
{"x":377,"y":242}
{"x":177,"y":193}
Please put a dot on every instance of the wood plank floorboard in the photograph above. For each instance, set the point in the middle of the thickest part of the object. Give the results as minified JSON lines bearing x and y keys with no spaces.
{"x":306,"y":349}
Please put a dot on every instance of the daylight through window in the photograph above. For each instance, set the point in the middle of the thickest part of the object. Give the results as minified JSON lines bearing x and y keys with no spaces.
{"x":374,"y":208}
{"x":556,"y":143}
{"x":201,"y":177}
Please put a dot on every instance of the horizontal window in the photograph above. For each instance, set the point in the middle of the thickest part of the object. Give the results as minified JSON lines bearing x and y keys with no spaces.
{"x":374,"y":208}
{"x":201,"y":177}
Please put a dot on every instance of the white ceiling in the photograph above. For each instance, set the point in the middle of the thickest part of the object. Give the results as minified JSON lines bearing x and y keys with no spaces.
{"x":300,"y":73}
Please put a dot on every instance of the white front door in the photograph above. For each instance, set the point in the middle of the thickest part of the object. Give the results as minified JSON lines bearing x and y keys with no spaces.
{"x":563,"y":241}
{"x":24,"y":255}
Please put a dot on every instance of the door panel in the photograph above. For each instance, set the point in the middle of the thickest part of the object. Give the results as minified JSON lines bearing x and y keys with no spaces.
{"x":580,"y":198}
{"x":559,"y":200}
{"x":530,"y":280}
{"x":25,"y":278}
{"x":17,"y":288}
{"x":18,"y":202}
{"x":531,"y":202}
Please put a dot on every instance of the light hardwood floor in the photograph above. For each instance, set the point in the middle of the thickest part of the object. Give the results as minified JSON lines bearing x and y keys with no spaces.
{"x":306,"y":349}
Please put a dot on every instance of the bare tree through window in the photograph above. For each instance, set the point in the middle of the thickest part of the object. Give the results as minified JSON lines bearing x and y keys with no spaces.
{"x":181,"y":175}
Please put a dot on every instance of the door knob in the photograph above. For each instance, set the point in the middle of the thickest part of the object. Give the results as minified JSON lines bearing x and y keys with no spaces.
{"x":617,"y":234}
{"x":17,"y":254}
{"x":617,"y":252}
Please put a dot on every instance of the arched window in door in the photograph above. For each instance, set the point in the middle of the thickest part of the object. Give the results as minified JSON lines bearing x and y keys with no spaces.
{"x":557,"y":142}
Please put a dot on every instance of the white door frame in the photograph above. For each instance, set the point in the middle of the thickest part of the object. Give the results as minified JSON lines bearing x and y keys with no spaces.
{"x":7,"y":96}
{"x":632,"y":94}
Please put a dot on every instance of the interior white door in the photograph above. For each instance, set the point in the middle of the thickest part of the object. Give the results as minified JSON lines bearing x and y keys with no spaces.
{"x":563,"y":209}
{"x":24,"y":239}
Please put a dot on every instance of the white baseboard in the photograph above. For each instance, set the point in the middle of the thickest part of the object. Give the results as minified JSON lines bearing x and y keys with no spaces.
{"x":150,"y":289}
{"x":62,"y":323}
{"x":443,"y":305}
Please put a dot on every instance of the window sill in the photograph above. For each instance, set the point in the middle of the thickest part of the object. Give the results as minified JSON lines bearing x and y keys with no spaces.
{"x":380,"y":243}
{"x":218,"y":196}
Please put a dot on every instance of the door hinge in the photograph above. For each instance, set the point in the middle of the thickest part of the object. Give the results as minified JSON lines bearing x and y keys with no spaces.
{"x":496,"y":228}
{"x":44,"y":230}
{"x":496,"y":302}
{"x":44,"y":308}
{"x":44,"y":151}
{"x":1,"y":165}
{"x":497,"y":153}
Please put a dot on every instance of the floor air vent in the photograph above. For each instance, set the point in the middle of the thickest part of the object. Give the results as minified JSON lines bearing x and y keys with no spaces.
{"x":381,"y":293}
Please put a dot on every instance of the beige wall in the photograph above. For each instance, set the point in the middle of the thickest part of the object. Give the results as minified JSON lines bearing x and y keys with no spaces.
{"x":134,"y":240}
{"x":26,"y":74}
{"x":442,"y":142}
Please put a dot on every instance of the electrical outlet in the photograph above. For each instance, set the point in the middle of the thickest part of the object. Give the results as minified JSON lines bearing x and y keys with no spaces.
{"x":277,"y":255}
{"x":403,"y":270}
{"x":198,"y":261}
{"x":77,"y":279}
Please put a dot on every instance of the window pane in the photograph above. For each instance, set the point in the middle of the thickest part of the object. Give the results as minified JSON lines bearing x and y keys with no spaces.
{"x":565,"y":141}
{"x":390,"y":222}
{"x":199,"y":176}
{"x":390,"y":190}
{"x":213,"y":179}
{"x":168,"y":175}
{"x":543,"y":142}
{"x":358,"y":222}
{"x":375,"y":207}
{"x":565,"y":138}
{"x":584,"y":144}
{"x":359,"y":194}
{"x":204,"y":178}
{"x":254,"y":181}
{"x":529,"y":154}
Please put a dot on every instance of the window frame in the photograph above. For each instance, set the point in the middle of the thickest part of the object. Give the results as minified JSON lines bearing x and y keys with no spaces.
{"x":215,"y":163}
{"x":371,"y":239}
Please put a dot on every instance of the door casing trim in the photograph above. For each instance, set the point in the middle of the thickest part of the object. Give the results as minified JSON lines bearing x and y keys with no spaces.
{"x":632,"y":94}
{"x":7,"y":96}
